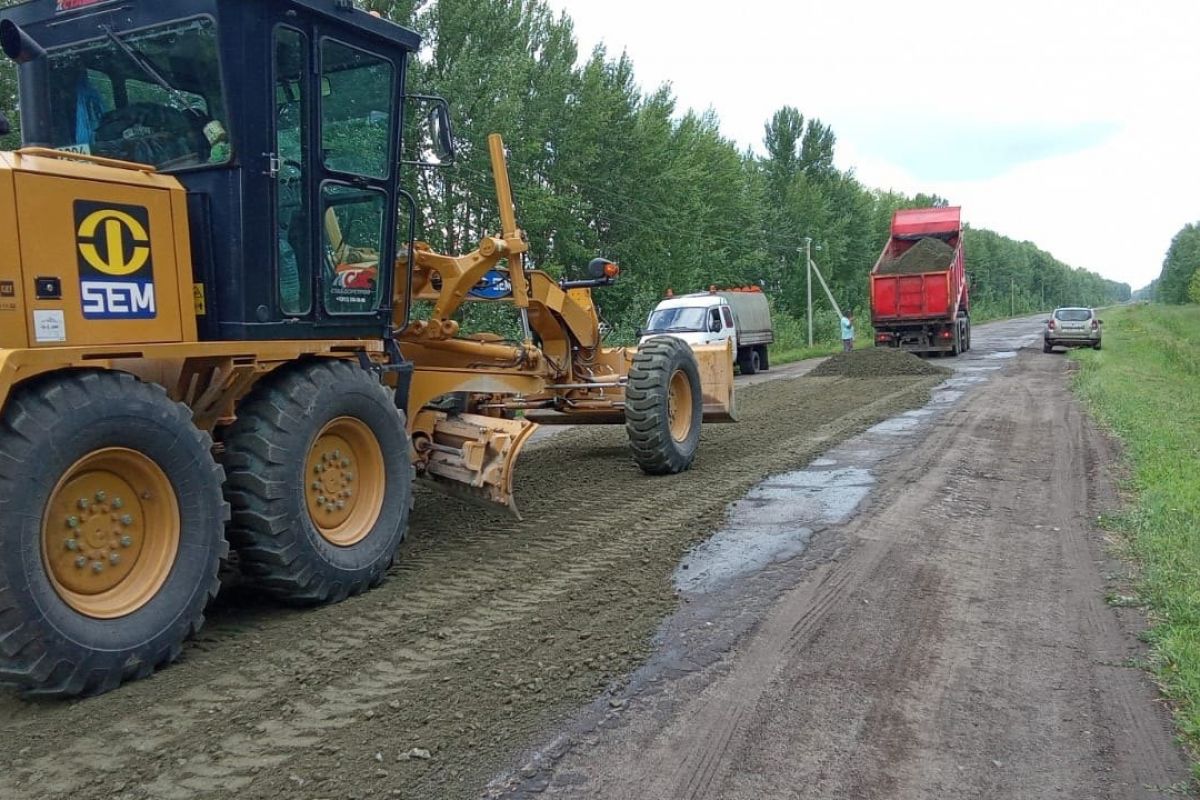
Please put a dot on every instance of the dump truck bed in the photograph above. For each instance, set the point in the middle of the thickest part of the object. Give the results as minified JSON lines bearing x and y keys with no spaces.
{"x":902,"y":291}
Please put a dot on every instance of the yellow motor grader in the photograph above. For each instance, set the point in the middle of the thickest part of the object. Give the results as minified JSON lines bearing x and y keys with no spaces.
{"x":205,"y":328}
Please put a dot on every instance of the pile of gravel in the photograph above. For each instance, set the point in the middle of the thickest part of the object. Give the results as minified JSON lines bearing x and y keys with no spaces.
{"x":927,"y":255}
{"x":877,"y":362}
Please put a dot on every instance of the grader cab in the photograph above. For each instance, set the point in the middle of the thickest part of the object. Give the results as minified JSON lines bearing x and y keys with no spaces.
{"x":205,"y":329}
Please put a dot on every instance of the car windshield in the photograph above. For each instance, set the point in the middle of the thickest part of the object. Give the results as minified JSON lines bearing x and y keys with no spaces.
{"x":687,"y":318}
{"x":153,"y":97}
{"x":1073,"y":314}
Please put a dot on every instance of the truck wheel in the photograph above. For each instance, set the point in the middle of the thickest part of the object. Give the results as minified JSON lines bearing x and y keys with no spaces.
{"x":1047,"y":347}
{"x":748,"y":360}
{"x":764,"y":359}
{"x":320,"y":481}
{"x":112,"y":525}
{"x":956,"y":345}
{"x":664,"y":406}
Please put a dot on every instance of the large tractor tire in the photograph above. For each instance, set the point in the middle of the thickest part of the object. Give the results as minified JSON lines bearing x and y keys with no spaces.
{"x":664,"y":406}
{"x":111,"y":530}
{"x":320,"y":481}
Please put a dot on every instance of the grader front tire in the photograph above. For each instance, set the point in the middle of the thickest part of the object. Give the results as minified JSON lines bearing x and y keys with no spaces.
{"x":111,"y":530}
{"x":320,"y":480}
{"x":664,"y":406}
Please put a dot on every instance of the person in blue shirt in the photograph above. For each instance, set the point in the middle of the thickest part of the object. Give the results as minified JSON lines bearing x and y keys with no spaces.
{"x":847,"y":333}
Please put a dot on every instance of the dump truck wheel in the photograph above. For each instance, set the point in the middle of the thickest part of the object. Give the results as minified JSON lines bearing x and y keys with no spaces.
{"x":112,"y":530}
{"x":764,"y":359}
{"x":748,"y":361}
{"x":320,"y":480}
{"x":664,"y":406}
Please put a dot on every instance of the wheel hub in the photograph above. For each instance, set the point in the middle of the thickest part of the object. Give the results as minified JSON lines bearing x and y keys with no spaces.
{"x":110,"y":533}
{"x":344,"y":476}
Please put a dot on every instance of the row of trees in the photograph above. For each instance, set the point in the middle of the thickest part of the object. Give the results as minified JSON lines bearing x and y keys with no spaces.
{"x":601,"y":166}
{"x":1180,"y":278}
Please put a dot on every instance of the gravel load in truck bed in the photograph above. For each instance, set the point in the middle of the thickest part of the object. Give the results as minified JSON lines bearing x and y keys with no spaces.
{"x":878,"y":362}
{"x":927,"y":255}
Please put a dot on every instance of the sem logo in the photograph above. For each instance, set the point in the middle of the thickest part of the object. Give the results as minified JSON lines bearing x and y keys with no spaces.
{"x":116,"y":270}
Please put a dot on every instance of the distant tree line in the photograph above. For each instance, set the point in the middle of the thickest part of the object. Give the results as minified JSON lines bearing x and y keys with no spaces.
{"x":1179,"y":281}
{"x":601,"y":166}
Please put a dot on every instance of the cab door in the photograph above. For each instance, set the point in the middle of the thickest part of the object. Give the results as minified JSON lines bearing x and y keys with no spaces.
{"x":335,"y":161}
{"x":359,"y":112}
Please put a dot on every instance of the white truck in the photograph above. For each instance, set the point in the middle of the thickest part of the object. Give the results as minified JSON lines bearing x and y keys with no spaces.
{"x":714,"y":316}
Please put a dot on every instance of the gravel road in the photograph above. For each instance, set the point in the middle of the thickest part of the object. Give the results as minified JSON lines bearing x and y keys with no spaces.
{"x":950,"y":639}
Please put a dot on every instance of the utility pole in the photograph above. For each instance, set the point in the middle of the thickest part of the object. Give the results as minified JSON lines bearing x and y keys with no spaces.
{"x":808,"y":271}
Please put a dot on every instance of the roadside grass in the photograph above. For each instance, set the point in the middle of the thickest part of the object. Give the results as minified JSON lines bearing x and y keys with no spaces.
{"x":1145,"y":386}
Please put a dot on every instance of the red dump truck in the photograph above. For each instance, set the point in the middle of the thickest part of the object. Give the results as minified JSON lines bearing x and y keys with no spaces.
{"x":920,"y":300}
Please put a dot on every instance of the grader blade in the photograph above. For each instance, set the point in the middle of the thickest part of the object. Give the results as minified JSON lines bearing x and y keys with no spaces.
{"x":716,"y":381}
{"x":472,"y":457}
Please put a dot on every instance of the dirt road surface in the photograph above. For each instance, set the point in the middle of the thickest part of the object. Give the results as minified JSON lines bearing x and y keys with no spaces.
{"x":881,"y":616}
{"x":950,"y":640}
{"x":488,"y":631}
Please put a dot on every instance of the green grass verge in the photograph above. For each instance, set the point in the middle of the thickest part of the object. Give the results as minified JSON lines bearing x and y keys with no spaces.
{"x":1145,"y":386}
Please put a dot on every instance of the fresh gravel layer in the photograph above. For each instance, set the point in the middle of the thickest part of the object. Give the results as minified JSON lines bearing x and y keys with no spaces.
{"x":879,"y":362}
{"x":488,"y":630}
{"x":927,"y":255}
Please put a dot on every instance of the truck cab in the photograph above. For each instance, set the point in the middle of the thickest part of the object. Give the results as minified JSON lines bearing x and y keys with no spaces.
{"x":741,"y":316}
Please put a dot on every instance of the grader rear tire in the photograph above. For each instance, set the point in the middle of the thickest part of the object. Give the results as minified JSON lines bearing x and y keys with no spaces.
{"x":664,"y":406}
{"x":111,"y":526}
{"x":320,"y":480}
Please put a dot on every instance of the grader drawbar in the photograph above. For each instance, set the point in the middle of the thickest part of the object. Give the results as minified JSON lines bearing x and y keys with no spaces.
{"x":205,"y":330}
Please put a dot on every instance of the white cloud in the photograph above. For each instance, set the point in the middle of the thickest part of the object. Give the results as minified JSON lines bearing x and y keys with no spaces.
{"x":922,"y":68}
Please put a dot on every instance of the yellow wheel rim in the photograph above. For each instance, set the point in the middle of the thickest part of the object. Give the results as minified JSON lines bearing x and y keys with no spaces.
{"x":679,"y":406}
{"x":110,"y":533}
{"x":344,"y":481}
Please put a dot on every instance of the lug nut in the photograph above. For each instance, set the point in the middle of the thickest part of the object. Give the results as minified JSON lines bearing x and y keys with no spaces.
{"x":117,"y":502}
{"x":126,"y":541}
{"x":345,"y":462}
{"x":72,"y":544}
{"x":72,"y":522}
{"x":347,"y":476}
{"x":341,"y":504}
{"x":84,"y":503}
{"x":127,"y":520}
{"x":319,"y":468}
{"x":336,"y":455}
{"x":321,"y":500}
{"x":114,"y":558}
{"x":81,"y":562}
{"x":100,"y":496}
{"x":316,"y":485}
{"x":97,"y":567}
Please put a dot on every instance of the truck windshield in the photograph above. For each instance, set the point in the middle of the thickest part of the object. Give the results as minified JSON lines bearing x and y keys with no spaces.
{"x":688,"y":318}
{"x":1073,"y":315}
{"x":106,"y":102}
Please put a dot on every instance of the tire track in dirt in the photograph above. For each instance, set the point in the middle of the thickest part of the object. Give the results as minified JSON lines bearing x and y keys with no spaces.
{"x":485,"y":631}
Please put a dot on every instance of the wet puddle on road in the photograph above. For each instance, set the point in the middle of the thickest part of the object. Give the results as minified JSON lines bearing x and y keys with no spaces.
{"x":775,"y":521}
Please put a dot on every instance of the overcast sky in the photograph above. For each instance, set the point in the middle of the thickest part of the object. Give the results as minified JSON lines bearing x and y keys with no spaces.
{"x":1074,"y":124}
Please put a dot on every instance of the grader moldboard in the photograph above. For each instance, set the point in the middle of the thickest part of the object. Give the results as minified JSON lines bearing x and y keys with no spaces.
{"x":205,"y":331}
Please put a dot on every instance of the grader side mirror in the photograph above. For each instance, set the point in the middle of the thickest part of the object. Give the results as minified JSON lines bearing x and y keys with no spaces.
{"x":435,"y":138}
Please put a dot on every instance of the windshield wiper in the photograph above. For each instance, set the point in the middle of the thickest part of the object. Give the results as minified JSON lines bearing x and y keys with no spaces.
{"x":147,"y":67}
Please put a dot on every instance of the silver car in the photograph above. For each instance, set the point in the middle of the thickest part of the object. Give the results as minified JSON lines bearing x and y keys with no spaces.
{"x":1072,"y":327}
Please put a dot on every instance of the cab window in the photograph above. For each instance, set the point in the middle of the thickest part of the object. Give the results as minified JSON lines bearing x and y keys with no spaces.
{"x":357,"y":102}
{"x":352,"y":223}
{"x":154,"y":97}
{"x":725,"y":312}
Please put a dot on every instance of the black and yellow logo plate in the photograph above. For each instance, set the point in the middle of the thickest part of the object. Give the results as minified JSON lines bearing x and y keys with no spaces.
{"x":116,"y":264}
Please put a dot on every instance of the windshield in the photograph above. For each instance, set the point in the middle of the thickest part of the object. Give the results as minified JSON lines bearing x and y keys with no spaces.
{"x":105,"y":101}
{"x":1073,"y":314}
{"x":688,"y":318}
